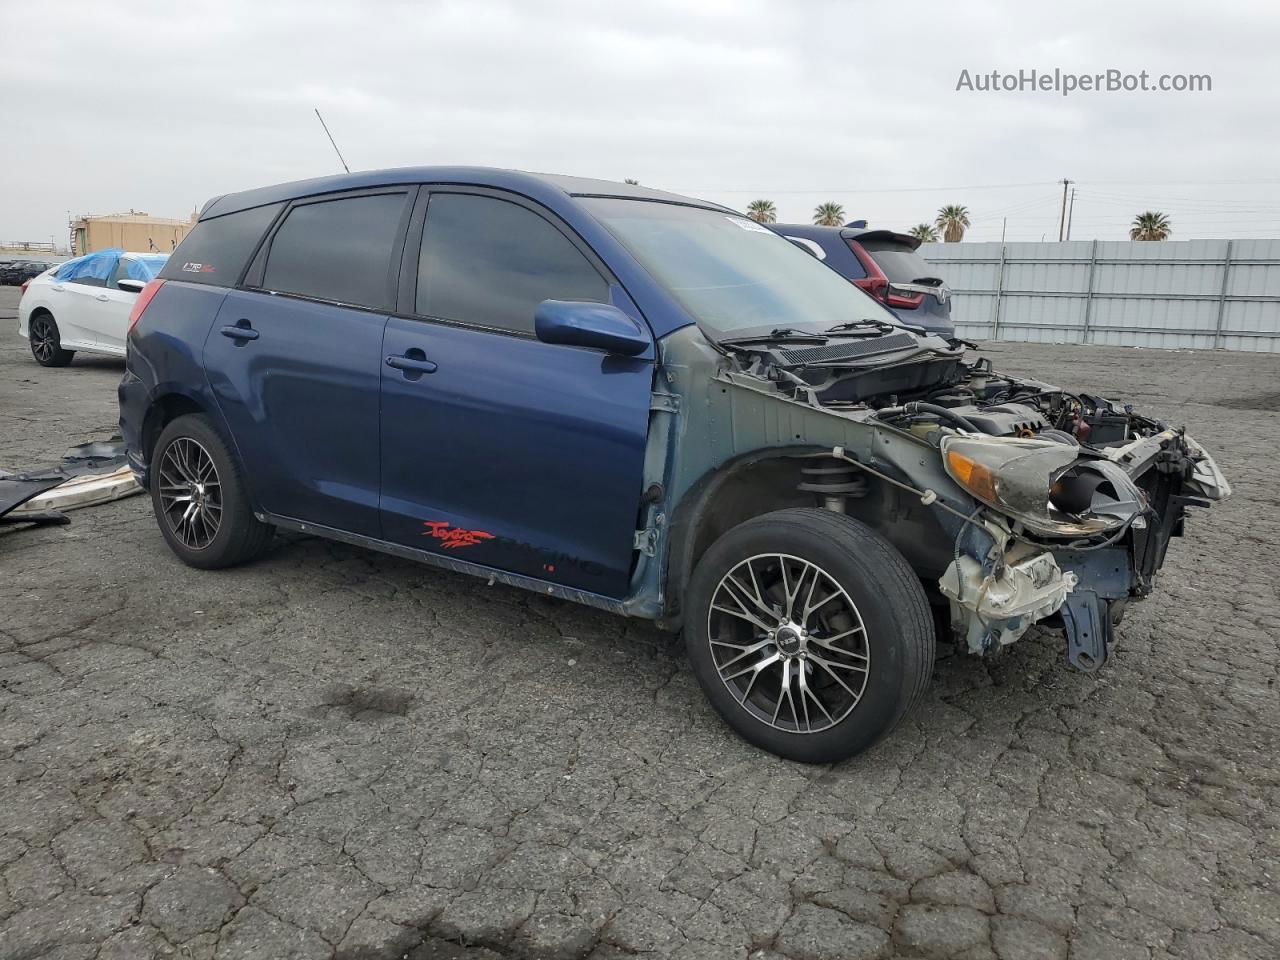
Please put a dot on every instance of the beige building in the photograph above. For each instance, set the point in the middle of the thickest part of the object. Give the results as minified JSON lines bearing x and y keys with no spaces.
{"x":138,"y":232}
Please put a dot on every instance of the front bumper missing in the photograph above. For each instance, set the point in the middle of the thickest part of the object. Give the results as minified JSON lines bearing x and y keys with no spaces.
{"x":994,"y":601}
{"x":992,"y":610}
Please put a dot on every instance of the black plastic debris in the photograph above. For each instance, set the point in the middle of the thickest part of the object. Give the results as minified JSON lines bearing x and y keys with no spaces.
{"x":89,"y":474}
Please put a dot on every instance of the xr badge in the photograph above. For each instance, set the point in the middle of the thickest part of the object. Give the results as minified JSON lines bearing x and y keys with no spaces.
{"x":453,"y":538}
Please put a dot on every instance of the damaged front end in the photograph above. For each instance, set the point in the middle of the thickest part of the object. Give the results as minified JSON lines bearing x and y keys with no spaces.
{"x":1051,"y":506}
{"x":1077,"y":530}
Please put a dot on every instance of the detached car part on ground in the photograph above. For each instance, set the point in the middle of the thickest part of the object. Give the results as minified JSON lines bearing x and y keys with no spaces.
{"x":648,"y":404}
{"x":89,"y":474}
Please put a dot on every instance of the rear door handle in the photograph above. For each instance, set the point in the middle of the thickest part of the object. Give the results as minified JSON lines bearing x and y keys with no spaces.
{"x":240,"y":331}
{"x":103,"y":297}
{"x":412,"y":364}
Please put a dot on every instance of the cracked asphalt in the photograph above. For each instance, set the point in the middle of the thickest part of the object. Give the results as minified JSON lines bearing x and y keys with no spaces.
{"x":337,"y":754}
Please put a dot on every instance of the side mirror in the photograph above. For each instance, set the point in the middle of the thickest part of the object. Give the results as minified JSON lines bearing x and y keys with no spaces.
{"x":579,"y":323}
{"x":131,"y":286}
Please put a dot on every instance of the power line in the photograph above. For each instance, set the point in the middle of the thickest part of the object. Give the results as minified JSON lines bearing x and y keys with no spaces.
{"x":1204,"y":183}
{"x":774,"y":192}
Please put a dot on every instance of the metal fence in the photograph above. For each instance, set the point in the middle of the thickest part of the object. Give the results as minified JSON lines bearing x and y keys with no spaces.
{"x":1204,"y":294}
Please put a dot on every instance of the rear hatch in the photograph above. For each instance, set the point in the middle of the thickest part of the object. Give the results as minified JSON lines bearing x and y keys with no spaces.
{"x":914,"y":290}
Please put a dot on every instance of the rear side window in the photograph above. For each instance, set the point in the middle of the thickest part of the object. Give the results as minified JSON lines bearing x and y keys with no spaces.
{"x":337,"y":250}
{"x":899,"y":262}
{"x":216,"y":251}
{"x":490,"y":262}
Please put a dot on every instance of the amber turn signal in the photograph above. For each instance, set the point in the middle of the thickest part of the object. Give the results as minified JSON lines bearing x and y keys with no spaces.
{"x":973,"y":476}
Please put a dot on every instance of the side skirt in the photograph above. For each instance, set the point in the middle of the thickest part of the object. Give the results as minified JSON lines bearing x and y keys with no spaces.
{"x":623,"y":608}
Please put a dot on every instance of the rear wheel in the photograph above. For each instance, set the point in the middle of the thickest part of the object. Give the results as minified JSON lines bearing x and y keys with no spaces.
{"x":809,"y":633}
{"x":199,"y":497}
{"x":46,"y":342}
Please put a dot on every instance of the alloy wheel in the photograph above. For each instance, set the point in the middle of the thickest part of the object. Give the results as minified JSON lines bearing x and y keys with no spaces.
{"x":190,"y":493}
{"x":44,"y":339}
{"x":788,"y":642}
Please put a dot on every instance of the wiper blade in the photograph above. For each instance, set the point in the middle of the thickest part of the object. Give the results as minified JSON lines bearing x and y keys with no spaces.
{"x":782,"y":334}
{"x":862,"y":324}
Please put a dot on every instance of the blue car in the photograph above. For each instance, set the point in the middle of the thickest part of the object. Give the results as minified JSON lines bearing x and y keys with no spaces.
{"x":645,"y":403}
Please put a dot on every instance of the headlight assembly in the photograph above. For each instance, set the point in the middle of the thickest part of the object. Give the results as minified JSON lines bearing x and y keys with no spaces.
{"x":1042,"y":484}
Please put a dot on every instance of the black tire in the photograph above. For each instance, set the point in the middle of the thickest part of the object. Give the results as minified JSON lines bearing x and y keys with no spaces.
{"x":895,"y":638}
{"x":46,"y":341}
{"x":238,"y":535}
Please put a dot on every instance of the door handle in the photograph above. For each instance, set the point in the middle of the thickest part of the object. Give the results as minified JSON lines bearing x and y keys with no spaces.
{"x":56,"y":286}
{"x":240,"y":331}
{"x":412,"y":364}
{"x":103,"y":297}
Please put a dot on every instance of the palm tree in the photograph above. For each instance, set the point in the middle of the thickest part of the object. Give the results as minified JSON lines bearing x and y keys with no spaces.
{"x":952,"y":220}
{"x":829,"y":214}
{"x":1150,"y":226}
{"x":924,"y":232}
{"x":633,"y":182}
{"x":762,"y":211}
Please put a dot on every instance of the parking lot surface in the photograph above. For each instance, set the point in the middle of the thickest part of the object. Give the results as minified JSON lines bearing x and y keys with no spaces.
{"x":333,"y":753}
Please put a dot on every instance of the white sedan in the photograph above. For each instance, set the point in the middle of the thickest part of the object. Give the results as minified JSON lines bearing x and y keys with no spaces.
{"x":84,"y":304}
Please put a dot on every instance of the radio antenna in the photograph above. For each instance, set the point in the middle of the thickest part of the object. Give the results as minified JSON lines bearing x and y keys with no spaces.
{"x":331,"y":140}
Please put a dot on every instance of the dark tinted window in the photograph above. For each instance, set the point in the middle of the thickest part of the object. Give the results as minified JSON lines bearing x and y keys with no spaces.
{"x":490,"y":262}
{"x":337,"y":250}
{"x":215,"y":251}
{"x":899,"y":262}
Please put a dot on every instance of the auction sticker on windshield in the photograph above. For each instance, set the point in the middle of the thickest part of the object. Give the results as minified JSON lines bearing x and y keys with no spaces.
{"x":749,"y":225}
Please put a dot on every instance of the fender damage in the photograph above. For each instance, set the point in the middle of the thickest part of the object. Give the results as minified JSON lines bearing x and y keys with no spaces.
{"x":1017,"y":502}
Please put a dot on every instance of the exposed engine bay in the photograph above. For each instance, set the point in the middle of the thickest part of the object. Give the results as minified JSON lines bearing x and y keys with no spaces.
{"x":865,"y":372}
{"x":1057,"y":506}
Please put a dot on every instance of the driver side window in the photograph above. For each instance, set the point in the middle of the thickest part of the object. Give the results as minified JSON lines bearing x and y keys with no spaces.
{"x":490,"y":262}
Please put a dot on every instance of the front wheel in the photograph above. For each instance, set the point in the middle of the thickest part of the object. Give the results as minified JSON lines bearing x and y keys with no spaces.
{"x":809,"y":633}
{"x":46,"y":342}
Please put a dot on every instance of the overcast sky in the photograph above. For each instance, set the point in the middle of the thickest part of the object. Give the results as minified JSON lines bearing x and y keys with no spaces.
{"x":109,"y":106}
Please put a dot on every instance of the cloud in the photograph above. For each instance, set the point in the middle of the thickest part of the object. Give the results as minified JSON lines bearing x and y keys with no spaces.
{"x":158,"y":106}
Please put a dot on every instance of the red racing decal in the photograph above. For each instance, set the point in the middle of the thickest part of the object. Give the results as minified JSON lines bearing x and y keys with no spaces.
{"x":453,"y":538}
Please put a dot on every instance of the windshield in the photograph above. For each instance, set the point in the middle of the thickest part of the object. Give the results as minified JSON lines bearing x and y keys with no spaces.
{"x":734,"y":276}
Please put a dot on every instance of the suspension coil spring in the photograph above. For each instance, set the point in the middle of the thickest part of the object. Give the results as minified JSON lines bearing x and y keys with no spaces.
{"x":834,"y":481}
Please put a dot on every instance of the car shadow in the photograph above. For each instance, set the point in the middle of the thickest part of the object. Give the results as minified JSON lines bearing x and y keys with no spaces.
{"x":83,"y":362}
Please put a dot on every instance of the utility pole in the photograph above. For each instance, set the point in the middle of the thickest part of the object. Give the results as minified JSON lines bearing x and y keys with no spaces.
{"x":1004,"y":223}
{"x":1071,"y":209}
{"x":1062,"y":220}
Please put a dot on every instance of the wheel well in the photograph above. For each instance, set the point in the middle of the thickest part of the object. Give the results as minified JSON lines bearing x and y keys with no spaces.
{"x":163,"y":412}
{"x":719,"y":502}
{"x":41,"y":312}
{"x":761,"y":484}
